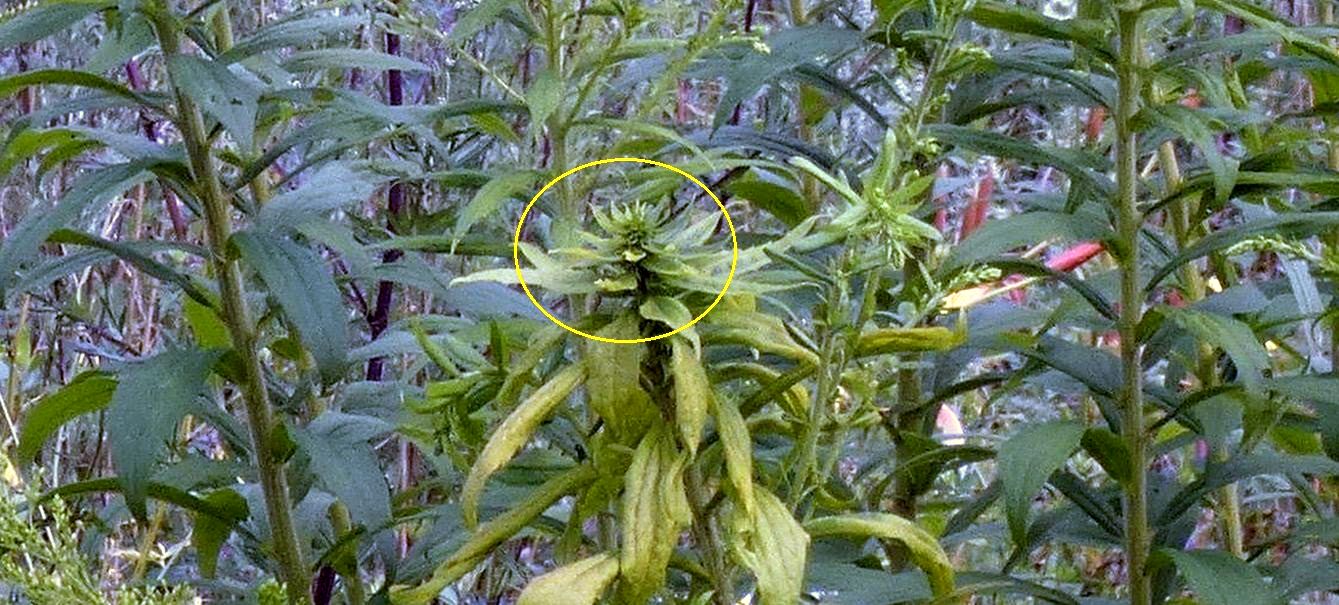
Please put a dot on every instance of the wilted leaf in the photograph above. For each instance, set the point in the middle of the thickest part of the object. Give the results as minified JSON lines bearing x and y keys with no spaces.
{"x":514,"y":433}
{"x":922,"y":547}
{"x":655,"y":510}
{"x":579,"y":583}
{"x":692,"y":393}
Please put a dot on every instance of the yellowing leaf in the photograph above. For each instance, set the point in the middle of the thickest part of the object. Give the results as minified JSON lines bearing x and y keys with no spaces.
{"x":513,"y":434}
{"x":580,"y":583}
{"x":922,"y":547}
{"x":655,"y":510}
{"x":774,"y":546}
{"x":612,"y":386}
{"x":906,"y":340}
{"x":692,"y":393}
{"x":738,"y":446}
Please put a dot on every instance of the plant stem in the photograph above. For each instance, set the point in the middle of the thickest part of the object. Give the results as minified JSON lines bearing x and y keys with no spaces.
{"x":1131,"y":298}
{"x":241,"y":329}
{"x":708,"y":533}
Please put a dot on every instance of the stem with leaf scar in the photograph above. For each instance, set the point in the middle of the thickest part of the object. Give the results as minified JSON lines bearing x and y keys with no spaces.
{"x":241,"y":329}
{"x":1131,"y":299}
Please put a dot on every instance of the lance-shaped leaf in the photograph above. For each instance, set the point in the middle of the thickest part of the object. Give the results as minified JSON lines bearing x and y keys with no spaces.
{"x":496,"y":531}
{"x":922,"y":547}
{"x":738,"y":446}
{"x":1233,"y":337}
{"x":774,"y":546}
{"x":612,"y":387}
{"x":692,"y":393}
{"x":1218,"y":578}
{"x":146,"y":407}
{"x":210,"y":532}
{"x":655,"y":510}
{"x":88,"y":392}
{"x":221,"y":94}
{"x":514,"y":433}
{"x":1026,"y":460}
{"x":907,"y":340}
{"x":298,"y":279}
{"x":580,"y":583}
{"x":45,"y":19}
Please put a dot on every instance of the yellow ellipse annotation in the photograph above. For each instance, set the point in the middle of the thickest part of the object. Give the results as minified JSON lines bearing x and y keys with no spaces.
{"x":516,"y":249}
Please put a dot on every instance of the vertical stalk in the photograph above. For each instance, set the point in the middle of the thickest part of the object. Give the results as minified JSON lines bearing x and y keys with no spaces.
{"x":241,"y":329}
{"x":1131,"y":311}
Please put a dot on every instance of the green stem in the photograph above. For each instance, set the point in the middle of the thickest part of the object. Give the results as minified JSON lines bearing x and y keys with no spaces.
{"x":1131,"y":296}
{"x":707,"y":532}
{"x":353,"y":583}
{"x":241,"y":329}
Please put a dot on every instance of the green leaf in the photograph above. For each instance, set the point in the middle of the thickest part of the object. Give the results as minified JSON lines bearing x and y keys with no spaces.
{"x":148,"y":403}
{"x":1321,"y":392}
{"x":993,"y":14}
{"x":479,"y":17}
{"x":774,"y":546}
{"x":22,"y":244}
{"x":220,"y":94}
{"x":747,"y":69}
{"x":70,"y":77}
{"x":345,"y":464}
{"x":210,"y":532}
{"x":139,"y":255}
{"x":87,"y":393}
{"x":1084,"y":167}
{"x":543,"y":97}
{"x":579,"y":583}
{"x":291,"y":32}
{"x":209,"y":330}
{"x":297,"y":277}
{"x":1200,"y":129}
{"x":333,"y":186}
{"x":922,"y":547}
{"x":1233,"y":337}
{"x":45,"y":19}
{"x":489,"y":199}
{"x":514,"y":433}
{"x":1110,"y":451}
{"x":1297,"y":224}
{"x":1218,"y":578}
{"x":1030,"y":229}
{"x":1026,"y":460}
{"x":738,"y":446}
{"x":349,"y":58}
{"x":772,"y":194}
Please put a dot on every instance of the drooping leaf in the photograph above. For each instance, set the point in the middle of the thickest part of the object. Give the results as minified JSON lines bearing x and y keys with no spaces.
{"x":654,"y":511}
{"x":299,"y":280}
{"x":692,"y":393}
{"x":514,"y":433}
{"x":612,"y":387}
{"x":148,"y":403}
{"x":1026,"y":460}
{"x":738,"y":446}
{"x":492,"y":533}
{"x":923,"y":549}
{"x":774,"y":546}
{"x":579,"y":583}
